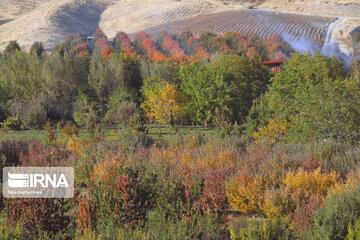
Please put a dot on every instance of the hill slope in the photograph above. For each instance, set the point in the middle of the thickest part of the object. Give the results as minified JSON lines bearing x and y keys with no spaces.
{"x":50,"y":20}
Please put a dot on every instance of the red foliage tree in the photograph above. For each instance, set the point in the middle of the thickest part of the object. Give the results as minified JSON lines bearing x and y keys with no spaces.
{"x":106,"y":52}
{"x":201,"y":53}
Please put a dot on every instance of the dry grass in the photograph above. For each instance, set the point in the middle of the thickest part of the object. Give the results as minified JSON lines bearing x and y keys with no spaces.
{"x":134,"y":16}
{"x":50,"y":20}
{"x":252,"y":22}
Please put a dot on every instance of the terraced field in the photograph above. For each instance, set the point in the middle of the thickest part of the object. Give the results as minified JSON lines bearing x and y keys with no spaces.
{"x":133,"y":16}
{"x":253,"y":22}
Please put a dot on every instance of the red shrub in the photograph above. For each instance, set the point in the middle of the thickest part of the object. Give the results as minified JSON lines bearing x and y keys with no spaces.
{"x":46,"y":213}
{"x":86,"y":215}
{"x":304,"y":214}
{"x":214,"y":194}
{"x":43,"y":156}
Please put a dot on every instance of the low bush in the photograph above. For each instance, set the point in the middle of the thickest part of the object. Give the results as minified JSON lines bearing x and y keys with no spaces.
{"x":260,"y":229}
{"x":11,"y":231}
{"x":354,"y":230}
{"x":39,"y":155}
{"x":245,"y":193}
{"x":12,"y":150}
{"x":38,"y":214}
{"x":11,"y":123}
{"x":331,"y":221}
{"x":124,"y":113}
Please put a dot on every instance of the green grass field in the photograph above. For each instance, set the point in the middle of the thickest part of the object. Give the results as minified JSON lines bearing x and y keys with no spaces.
{"x":156,"y":132}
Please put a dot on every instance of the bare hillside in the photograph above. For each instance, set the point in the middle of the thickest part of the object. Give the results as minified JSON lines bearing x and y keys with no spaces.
{"x":50,"y":20}
{"x":133,"y":16}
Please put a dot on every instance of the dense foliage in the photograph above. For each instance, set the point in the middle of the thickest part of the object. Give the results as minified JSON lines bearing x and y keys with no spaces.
{"x":79,"y":79}
{"x":278,"y":157}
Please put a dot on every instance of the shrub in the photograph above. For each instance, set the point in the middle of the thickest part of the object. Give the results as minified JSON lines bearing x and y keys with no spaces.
{"x":84,"y":165}
{"x":354,"y":231}
{"x":10,"y":231}
{"x":245,"y":193}
{"x":11,"y":123}
{"x":303,"y":216}
{"x":12,"y":150}
{"x":75,"y":145}
{"x":160,"y":226}
{"x":85,"y":216}
{"x":300,"y":195}
{"x":96,"y":131}
{"x":338,"y":211}
{"x":70,"y":130}
{"x":214,"y":194}
{"x":260,"y":229}
{"x":38,"y":214}
{"x":125,"y":113}
{"x":259,"y":115}
{"x":83,"y":111}
{"x":39,"y":155}
{"x":314,"y":183}
{"x":80,"y":119}
{"x":120,"y":195}
{"x":278,"y":204}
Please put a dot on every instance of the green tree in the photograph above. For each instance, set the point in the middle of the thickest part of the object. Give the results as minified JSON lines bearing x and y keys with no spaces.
{"x":37,"y":48}
{"x":229,"y":85}
{"x":316,"y":96}
{"x":119,"y":71}
{"x":20,"y":80}
{"x":64,"y":77}
{"x":12,"y":47}
{"x":288,"y":87}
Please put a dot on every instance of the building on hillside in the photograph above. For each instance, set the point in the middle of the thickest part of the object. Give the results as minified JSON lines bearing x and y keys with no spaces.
{"x":274,"y":65}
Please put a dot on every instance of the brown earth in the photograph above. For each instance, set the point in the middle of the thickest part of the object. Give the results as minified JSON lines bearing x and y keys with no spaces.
{"x":50,"y":20}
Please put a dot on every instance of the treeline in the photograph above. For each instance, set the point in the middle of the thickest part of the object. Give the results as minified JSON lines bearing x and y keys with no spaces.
{"x":213,"y":80}
{"x":79,"y":79}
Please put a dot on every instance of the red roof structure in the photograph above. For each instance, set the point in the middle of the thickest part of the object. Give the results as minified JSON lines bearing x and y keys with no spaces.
{"x":274,"y":65}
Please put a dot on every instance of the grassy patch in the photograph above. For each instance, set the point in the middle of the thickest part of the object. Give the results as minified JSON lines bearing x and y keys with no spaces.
{"x":157,"y":132}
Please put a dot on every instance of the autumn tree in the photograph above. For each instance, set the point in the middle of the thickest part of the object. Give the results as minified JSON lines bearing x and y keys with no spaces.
{"x":164,"y":103}
{"x":123,"y":43}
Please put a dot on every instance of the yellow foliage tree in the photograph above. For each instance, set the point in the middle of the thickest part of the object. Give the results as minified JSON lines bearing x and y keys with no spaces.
{"x":276,"y":129}
{"x":165,"y":104}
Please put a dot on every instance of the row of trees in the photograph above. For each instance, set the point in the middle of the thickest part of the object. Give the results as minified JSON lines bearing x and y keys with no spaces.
{"x":78,"y":81}
{"x":174,"y":80}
